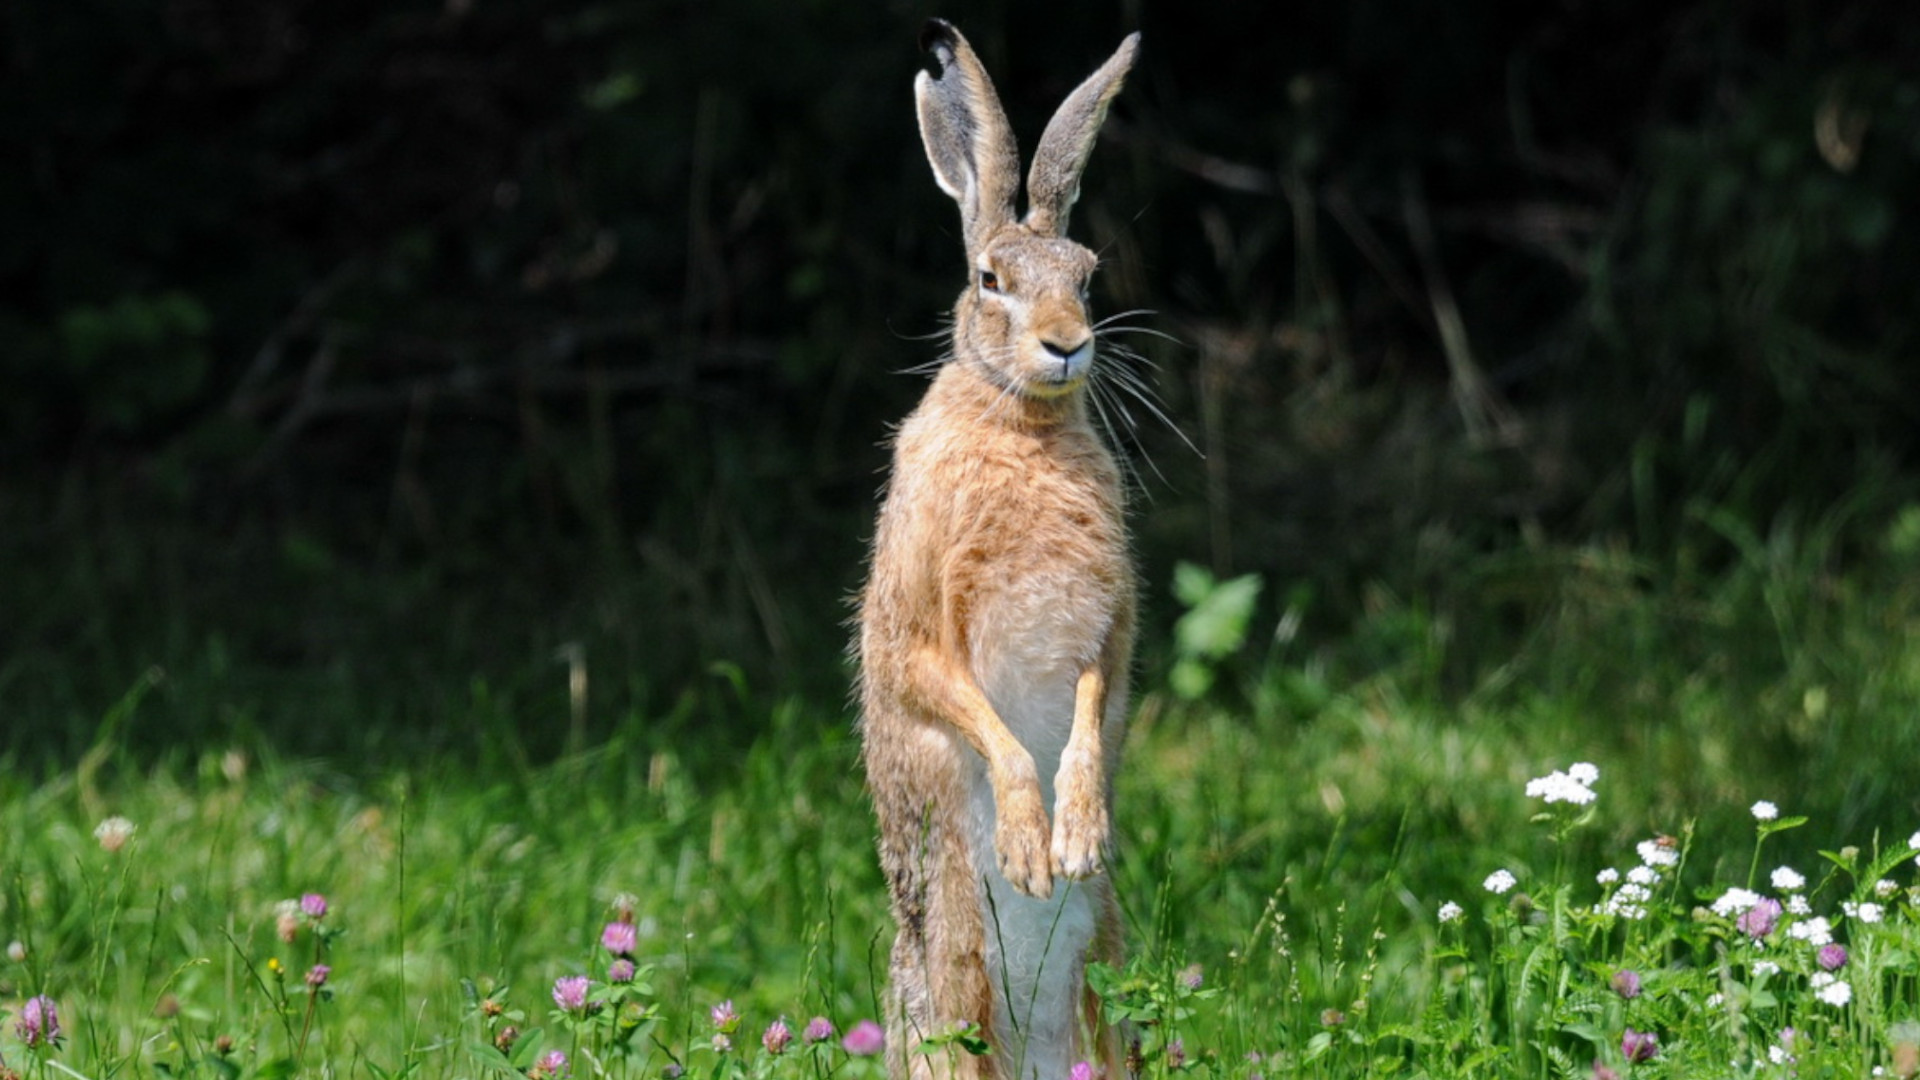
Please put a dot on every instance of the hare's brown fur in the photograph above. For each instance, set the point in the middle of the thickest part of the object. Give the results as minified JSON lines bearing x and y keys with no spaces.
{"x":997,"y":623}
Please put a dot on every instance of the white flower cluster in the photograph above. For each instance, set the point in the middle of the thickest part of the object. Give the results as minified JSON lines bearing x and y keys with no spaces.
{"x":1629,"y":901}
{"x":1814,"y":932}
{"x":1500,"y":881}
{"x":1735,"y":901}
{"x":1765,"y":811}
{"x":1572,"y":786}
{"x":1830,"y":989}
{"x":1451,"y":912}
{"x":1658,"y":853}
{"x":1787,"y":879}
{"x":1867,"y":913}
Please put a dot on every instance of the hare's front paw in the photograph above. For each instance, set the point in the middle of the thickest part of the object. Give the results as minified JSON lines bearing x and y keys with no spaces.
{"x":1079,"y":824}
{"x":1020,"y":840}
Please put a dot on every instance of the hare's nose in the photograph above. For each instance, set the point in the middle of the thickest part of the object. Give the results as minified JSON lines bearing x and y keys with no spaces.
{"x":1064,"y":350}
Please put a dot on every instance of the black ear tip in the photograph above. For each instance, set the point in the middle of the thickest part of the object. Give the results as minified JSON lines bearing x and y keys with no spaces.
{"x":937,"y":33}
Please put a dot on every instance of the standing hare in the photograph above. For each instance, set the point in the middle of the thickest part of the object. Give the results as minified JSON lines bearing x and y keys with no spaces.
{"x":997,"y":623}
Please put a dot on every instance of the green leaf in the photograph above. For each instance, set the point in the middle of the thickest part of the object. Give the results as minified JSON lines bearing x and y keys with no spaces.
{"x":526,"y":1048}
{"x":1768,"y":828}
{"x":490,"y":1059}
{"x":1215,"y":624}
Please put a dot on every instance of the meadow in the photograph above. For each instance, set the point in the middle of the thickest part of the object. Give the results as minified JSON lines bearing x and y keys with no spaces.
{"x":1670,"y":832}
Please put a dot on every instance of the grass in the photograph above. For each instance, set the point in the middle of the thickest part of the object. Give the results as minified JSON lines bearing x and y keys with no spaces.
{"x":1294,"y":818}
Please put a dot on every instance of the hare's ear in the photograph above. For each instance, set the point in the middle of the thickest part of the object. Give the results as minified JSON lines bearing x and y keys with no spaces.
{"x":968,"y":139}
{"x":1054,"y":183}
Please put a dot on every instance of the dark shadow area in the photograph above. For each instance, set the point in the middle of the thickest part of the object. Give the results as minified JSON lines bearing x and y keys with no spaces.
{"x":487,"y":377}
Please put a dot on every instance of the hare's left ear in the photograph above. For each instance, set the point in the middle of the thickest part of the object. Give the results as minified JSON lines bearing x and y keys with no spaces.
{"x":1054,"y":182}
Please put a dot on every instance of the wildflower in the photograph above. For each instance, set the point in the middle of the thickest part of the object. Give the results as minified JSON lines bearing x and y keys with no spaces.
{"x":777,"y":1036}
{"x":113,"y":833}
{"x":1083,"y":1070}
{"x":1499,"y":881}
{"x":1656,"y":853}
{"x":1832,"y":957}
{"x":553,"y":1063}
{"x":1629,"y":902}
{"x":1450,"y":912}
{"x":1868,"y":912}
{"x":1833,"y":991}
{"x":317,"y":975}
{"x":1644,"y":875}
{"x":17,"y":951}
{"x":1564,"y":787}
{"x":1782,"y":1053}
{"x":1797,"y":905}
{"x":620,"y":938}
{"x":1763,"y":968}
{"x":1885,"y":888}
{"x":1626,"y":983}
{"x":723,"y":1042}
{"x":39,"y":1023}
{"x":1913,"y":842}
{"x":1176,"y":1053}
{"x":1607,"y":876}
{"x":672,"y":1070}
{"x":725,"y":1020}
{"x":570,"y":992}
{"x":1812,"y":931}
{"x":313,"y":906}
{"x":864,"y":1038}
{"x":1735,"y":901}
{"x":621,"y":971}
{"x":1639,"y":1046}
{"x":1601,"y":1072}
{"x":819,"y":1030}
{"x":1584,"y":772}
{"x":623,"y":905}
{"x":1759,"y":920}
{"x":1765,"y":811}
{"x":1191,"y":977}
{"x":1787,"y":879}
{"x":286,"y":920}
{"x":504,"y":1041}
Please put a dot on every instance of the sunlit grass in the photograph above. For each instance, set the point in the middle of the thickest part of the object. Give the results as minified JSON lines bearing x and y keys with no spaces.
{"x":1294,"y":821}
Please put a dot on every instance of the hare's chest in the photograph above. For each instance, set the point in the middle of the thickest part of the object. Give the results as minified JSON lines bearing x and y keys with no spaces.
{"x":1047,"y":591}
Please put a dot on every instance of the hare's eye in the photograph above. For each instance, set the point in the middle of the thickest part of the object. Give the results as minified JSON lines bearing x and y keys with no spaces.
{"x":989,"y":281}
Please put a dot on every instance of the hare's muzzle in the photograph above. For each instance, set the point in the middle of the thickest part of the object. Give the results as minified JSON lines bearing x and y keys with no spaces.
{"x":1067,"y":362}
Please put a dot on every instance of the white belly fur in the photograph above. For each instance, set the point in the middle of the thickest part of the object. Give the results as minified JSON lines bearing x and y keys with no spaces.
{"x":1035,"y":949}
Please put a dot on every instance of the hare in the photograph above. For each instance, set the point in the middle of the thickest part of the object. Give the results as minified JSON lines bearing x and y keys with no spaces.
{"x":996,"y":626}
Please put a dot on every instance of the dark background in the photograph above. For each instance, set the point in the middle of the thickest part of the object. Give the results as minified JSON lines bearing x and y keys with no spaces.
{"x":371,"y":366}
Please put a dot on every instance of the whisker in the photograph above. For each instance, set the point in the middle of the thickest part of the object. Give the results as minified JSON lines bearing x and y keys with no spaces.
{"x":1118,"y":315}
{"x":1102,"y":397}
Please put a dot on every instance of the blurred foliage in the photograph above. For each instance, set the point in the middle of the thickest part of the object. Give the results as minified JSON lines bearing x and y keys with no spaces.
{"x":379,"y":339}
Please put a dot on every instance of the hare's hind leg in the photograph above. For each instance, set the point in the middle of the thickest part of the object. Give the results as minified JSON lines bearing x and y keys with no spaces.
{"x":939,"y":970}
